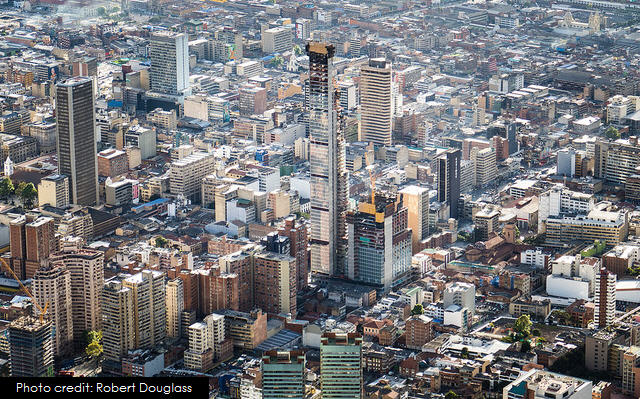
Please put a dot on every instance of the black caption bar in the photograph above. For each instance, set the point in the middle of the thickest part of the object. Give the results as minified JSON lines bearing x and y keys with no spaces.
{"x":182,"y":387}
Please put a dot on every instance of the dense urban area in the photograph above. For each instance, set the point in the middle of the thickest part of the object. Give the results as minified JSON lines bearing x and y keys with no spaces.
{"x":340,"y":199}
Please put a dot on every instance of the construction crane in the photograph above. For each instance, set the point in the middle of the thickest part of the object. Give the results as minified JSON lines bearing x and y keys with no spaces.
{"x":35,"y":302}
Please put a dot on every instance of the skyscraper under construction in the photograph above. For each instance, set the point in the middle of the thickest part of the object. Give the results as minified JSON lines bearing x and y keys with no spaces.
{"x":329,"y":180}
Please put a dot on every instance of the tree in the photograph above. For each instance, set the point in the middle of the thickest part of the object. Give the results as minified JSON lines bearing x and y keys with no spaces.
{"x":161,"y":242}
{"x":417,"y":310}
{"x":297,"y":50}
{"x":94,"y":347}
{"x":451,"y":395}
{"x":612,"y":133}
{"x":464,"y":353}
{"x":27,"y":193}
{"x":526,"y":346}
{"x":6,"y":188}
{"x":522,"y":326}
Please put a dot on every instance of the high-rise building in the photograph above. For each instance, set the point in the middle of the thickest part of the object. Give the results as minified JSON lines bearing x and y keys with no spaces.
{"x":169,"y":53}
{"x":118,"y":331}
{"x":376,"y":102}
{"x":241,"y":264}
{"x":31,"y":347}
{"x":615,"y":162}
{"x":277,"y":40}
{"x":298,"y":245}
{"x":449,"y":180}
{"x":416,"y":200}
{"x":486,"y":222}
{"x":54,"y":190}
{"x":86,"y":270}
{"x":149,"y":308}
{"x":76,"y":139}
{"x":205,"y":338}
{"x":605,"y":302}
{"x":175,"y":306}
{"x":223,"y":292}
{"x":283,"y":374}
{"x":329,"y":180}
{"x":485,"y":165}
{"x":32,"y":239}
{"x":275,"y":282}
{"x":186,"y":174}
{"x":341,"y":366}
{"x":252,"y":100}
{"x":379,"y":243}
{"x":52,"y":285}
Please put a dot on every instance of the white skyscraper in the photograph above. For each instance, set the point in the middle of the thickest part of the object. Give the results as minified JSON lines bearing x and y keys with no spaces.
{"x":169,"y":53}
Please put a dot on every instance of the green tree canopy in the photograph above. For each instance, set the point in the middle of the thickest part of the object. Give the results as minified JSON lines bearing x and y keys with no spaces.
{"x":94,"y":346}
{"x":161,"y":242}
{"x":464,"y":353}
{"x":6,"y":188}
{"x":451,"y":395}
{"x":27,"y":193}
{"x":522,"y":326}
{"x":612,"y":133}
{"x":418,"y":309}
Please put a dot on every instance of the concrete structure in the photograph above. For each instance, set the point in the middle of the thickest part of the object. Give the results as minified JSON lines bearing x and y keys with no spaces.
{"x":329,"y":184}
{"x":76,"y":139}
{"x":31,"y":347}
{"x":461,"y":294}
{"x":341,"y":366}
{"x":32,"y":239}
{"x":418,"y":331}
{"x":169,"y":53}
{"x":86,"y":269}
{"x":205,"y":339}
{"x":448,"y":174}
{"x":149,"y":293}
{"x":605,"y":298}
{"x":112,"y":163}
{"x":247,"y":330}
{"x":379,"y":251}
{"x":277,"y":40}
{"x":416,"y":200}
{"x":275,"y":283}
{"x":283,"y":374}
{"x":54,"y":190}
{"x":609,"y":226}
{"x":118,"y":333}
{"x":298,"y":248}
{"x":186,"y":175}
{"x":52,"y":289}
{"x":143,"y":138}
{"x":376,"y":102}
{"x":559,"y":200}
{"x":486,"y":222}
{"x":486,"y":166}
{"x":175,"y":306}
{"x":538,"y":384}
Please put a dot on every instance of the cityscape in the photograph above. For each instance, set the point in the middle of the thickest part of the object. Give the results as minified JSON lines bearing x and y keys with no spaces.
{"x":338,"y":199}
